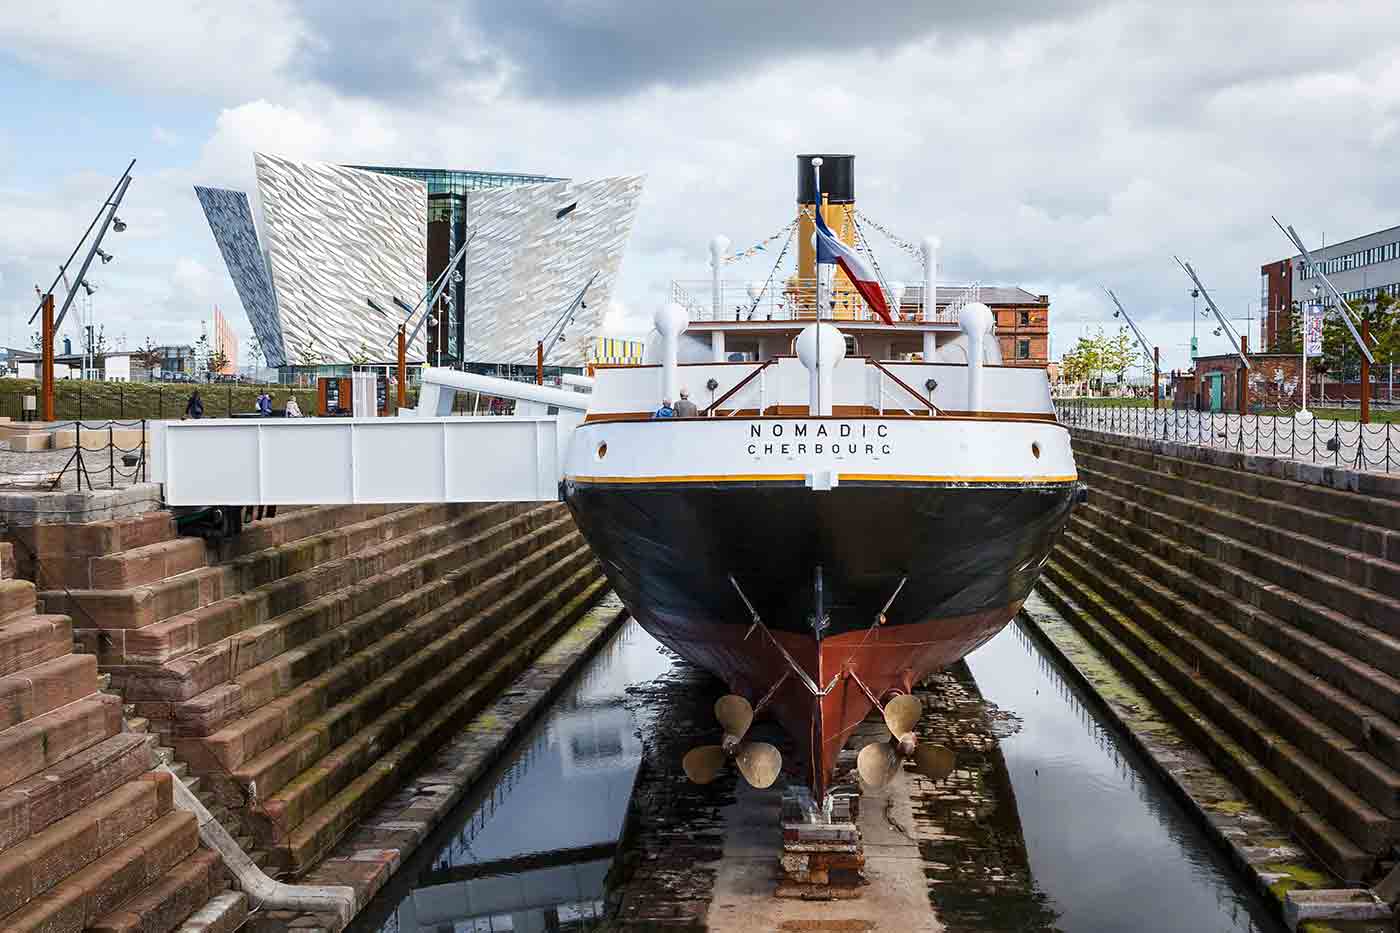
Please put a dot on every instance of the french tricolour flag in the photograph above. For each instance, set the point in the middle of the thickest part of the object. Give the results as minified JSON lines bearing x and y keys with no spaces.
{"x":831,"y":250}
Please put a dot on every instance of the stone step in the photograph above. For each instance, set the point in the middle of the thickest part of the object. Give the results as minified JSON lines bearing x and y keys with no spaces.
{"x":224,"y":913}
{"x":136,"y":724}
{"x":299,"y":574}
{"x":1366,"y":827}
{"x":317,"y":834}
{"x":93,"y":891}
{"x":1215,"y":651}
{"x":169,"y":901}
{"x":45,"y":686}
{"x":39,"y":801}
{"x":1357,"y":534}
{"x":111,"y":615}
{"x":40,"y":743}
{"x":46,"y":858}
{"x":1267,"y":791}
{"x":293,"y":524}
{"x":472,"y":656}
{"x":1208,"y":555}
{"x":149,"y":564}
{"x":1365,"y":605}
{"x":32,"y":640}
{"x":1353,"y":695}
{"x":1360,"y":507}
{"x":18,"y":598}
{"x":405,"y":591}
{"x":271,"y":747}
{"x":60,"y":547}
{"x":1192,"y":502}
{"x":398,"y":595}
{"x":206,"y":667}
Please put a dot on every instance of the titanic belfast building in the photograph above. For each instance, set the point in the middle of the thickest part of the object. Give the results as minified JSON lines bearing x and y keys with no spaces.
{"x":325,"y":254}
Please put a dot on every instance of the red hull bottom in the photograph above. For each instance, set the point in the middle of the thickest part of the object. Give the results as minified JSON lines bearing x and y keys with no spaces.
{"x":887,"y":660}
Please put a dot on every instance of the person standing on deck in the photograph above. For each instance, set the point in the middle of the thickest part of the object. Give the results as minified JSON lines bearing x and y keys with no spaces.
{"x":665,"y":411}
{"x":685,"y":408}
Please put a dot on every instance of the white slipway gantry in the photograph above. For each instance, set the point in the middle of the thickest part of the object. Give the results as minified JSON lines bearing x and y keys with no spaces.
{"x":429,"y":455}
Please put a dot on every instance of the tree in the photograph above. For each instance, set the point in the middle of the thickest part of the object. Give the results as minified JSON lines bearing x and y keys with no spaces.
{"x":361,"y":356}
{"x":218,"y":362}
{"x":255,"y":353}
{"x":95,"y":344}
{"x":149,"y":355}
{"x":1085,"y":360}
{"x":201,"y":357}
{"x":1119,"y":352}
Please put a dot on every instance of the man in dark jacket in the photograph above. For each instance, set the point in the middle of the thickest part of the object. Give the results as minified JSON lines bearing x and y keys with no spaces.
{"x":194,"y":408}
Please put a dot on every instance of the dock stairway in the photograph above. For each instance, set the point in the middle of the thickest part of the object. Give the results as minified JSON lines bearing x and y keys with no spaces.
{"x":1263,"y":615}
{"x":300,"y":670}
{"x":89,"y":835}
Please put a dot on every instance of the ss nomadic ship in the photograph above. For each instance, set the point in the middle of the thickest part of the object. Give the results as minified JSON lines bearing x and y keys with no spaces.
{"x":858,"y":502}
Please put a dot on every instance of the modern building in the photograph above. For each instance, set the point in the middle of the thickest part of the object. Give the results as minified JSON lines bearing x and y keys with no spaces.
{"x":448,"y":194}
{"x":1361,"y":268}
{"x":338,"y":241}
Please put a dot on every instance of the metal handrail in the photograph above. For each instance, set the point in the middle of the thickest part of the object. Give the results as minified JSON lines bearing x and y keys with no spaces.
{"x":923,"y":402}
{"x":739,"y":385}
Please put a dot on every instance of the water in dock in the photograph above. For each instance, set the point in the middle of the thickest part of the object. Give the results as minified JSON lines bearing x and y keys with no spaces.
{"x":1095,"y":842}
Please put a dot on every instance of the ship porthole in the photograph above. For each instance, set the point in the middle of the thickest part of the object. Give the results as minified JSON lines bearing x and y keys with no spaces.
{"x":603,"y":450}
{"x":1035,"y":450}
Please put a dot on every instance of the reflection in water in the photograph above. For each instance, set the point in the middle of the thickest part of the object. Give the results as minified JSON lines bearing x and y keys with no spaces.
{"x":532,"y":853}
{"x":1107,"y":843}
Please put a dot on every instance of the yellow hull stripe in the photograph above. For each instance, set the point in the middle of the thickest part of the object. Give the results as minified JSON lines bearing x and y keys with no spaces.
{"x":801,"y":477}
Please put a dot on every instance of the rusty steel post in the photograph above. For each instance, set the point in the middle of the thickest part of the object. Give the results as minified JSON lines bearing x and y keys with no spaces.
{"x":1242,"y":392}
{"x":1365,"y":374}
{"x":1156,"y":378}
{"x":403,"y":368}
{"x":46,"y":412}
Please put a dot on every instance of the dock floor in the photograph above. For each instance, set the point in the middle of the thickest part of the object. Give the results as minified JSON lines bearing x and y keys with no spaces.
{"x":895,"y":899}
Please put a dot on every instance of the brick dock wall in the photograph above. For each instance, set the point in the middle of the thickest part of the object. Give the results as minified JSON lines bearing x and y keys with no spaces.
{"x":1257,"y":602}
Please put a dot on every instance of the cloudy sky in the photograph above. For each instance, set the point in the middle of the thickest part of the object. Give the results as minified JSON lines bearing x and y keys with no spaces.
{"x":1052,"y":145}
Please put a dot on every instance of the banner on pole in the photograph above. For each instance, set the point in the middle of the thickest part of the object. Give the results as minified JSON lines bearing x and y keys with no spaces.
{"x":1312,"y":331}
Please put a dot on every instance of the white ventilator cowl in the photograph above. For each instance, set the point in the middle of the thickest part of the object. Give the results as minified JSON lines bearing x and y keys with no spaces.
{"x":977,"y":322}
{"x":820,"y":358}
{"x":670,"y":322}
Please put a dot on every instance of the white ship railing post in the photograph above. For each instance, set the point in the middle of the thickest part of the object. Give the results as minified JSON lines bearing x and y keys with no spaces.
{"x":930,"y":251}
{"x":976,"y":320}
{"x":719,"y":246}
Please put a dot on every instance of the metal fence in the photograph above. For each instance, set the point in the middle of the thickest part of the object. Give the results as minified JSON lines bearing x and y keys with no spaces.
{"x":1347,"y":444}
{"x":86,"y":455}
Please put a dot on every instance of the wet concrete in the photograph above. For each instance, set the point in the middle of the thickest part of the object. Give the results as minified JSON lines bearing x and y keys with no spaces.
{"x":1047,"y":823}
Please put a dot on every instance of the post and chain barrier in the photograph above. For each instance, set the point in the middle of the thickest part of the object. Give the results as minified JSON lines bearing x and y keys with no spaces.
{"x":1348,"y":444}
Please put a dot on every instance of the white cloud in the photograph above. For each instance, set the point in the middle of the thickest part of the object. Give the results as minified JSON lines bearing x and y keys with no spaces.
{"x":1056,"y":153}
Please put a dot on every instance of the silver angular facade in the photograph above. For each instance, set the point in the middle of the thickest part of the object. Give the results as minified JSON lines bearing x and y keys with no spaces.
{"x":231,"y":221}
{"x":533,"y":254}
{"x":336,"y":237}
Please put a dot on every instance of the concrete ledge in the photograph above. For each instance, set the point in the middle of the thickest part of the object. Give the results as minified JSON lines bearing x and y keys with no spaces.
{"x":96,"y":505}
{"x":1259,"y":848}
{"x":375,"y":850}
{"x":1384,"y":485}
